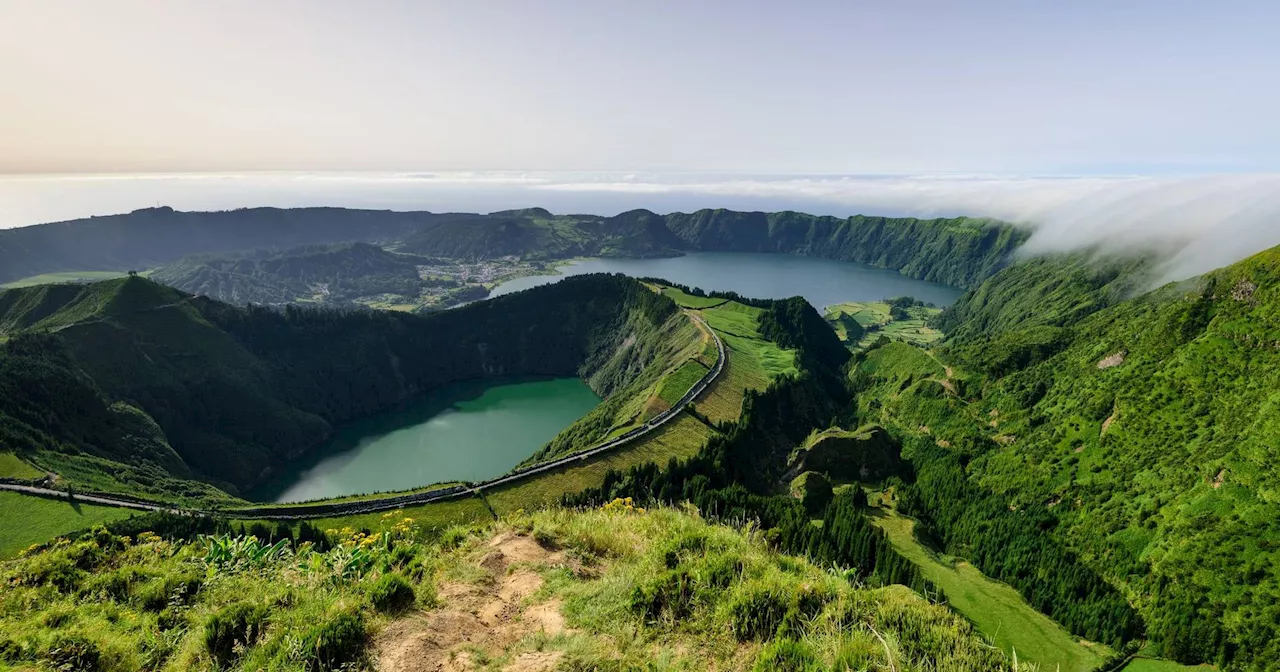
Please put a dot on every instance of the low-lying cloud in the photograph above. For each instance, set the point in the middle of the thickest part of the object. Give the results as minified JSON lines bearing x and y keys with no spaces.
{"x":1196,"y":224}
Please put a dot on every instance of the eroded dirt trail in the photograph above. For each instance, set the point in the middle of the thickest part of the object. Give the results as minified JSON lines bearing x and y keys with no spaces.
{"x":487,"y":618}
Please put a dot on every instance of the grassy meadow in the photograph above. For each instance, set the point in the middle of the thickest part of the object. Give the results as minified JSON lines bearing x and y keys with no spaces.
{"x":68,"y":276}
{"x":12,"y":466}
{"x":27,"y":520}
{"x":995,"y":608}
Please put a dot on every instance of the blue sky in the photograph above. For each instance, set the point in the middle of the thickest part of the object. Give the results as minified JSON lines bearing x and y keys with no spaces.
{"x":1025,"y":87}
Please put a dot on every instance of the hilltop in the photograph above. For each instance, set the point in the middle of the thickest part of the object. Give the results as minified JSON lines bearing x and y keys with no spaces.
{"x":958,"y":251}
{"x":617,"y":588}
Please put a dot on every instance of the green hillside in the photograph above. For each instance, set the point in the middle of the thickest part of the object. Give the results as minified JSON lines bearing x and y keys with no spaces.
{"x":960,"y":251}
{"x":538,"y":234}
{"x":1140,"y":430}
{"x":127,"y":385}
{"x":340,"y":272}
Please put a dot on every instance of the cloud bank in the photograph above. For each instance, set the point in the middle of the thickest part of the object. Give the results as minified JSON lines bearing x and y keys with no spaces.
{"x":1196,"y":223}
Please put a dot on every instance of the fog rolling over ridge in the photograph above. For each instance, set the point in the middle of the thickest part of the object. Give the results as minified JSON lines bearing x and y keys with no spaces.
{"x":1196,"y":223}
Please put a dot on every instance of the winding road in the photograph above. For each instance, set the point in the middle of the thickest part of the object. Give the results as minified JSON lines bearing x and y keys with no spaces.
{"x":394,"y":501}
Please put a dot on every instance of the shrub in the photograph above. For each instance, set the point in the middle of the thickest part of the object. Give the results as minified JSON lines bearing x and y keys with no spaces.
{"x":73,"y":653}
{"x":57,"y":617}
{"x":158,"y":594}
{"x":391,"y":594}
{"x":337,"y":641}
{"x":786,"y":655}
{"x":670,"y":595}
{"x":113,"y":585}
{"x":756,"y":610}
{"x":11,"y":651}
{"x":234,"y":624}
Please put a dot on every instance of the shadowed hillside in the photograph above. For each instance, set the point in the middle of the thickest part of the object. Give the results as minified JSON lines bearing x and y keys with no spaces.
{"x":146,"y":383}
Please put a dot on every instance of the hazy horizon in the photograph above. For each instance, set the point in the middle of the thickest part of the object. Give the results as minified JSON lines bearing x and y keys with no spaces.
{"x":994,"y":86}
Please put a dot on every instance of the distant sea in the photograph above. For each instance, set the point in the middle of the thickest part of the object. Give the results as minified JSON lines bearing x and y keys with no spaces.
{"x":36,"y":199}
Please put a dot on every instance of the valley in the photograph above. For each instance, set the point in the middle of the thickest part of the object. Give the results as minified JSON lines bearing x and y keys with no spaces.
{"x":711,"y":388}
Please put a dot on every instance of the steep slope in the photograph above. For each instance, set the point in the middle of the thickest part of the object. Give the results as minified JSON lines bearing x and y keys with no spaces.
{"x":959,"y":251}
{"x":231,"y":393}
{"x":1143,"y":431}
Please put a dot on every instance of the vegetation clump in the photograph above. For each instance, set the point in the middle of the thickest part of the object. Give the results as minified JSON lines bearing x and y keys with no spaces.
{"x":392,"y":594}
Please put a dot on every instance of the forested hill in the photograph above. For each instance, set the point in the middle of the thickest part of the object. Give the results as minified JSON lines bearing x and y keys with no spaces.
{"x":958,"y":251}
{"x":135,"y":384}
{"x":277,"y":277}
{"x":1140,"y":427}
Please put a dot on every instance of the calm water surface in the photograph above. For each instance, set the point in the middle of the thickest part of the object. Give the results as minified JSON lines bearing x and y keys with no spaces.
{"x":465,"y":432}
{"x":763,"y":276}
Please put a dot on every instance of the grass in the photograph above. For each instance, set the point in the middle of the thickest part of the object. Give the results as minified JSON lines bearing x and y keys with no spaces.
{"x":877,"y":320}
{"x":995,"y":608}
{"x":343,"y":498}
{"x":1155,"y":665}
{"x":658,"y":590}
{"x":677,"y":383}
{"x":27,"y":520}
{"x":753,"y":361}
{"x":690,"y":301}
{"x":433,"y":516}
{"x":681,"y":438}
{"x":69,"y":276}
{"x":12,"y":466}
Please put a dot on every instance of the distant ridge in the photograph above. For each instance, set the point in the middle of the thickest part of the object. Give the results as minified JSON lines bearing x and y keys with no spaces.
{"x":957,"y":251}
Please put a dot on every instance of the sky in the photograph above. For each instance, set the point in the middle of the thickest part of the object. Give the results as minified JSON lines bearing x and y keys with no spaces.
{"x":1104,"y":124}
{"x":912,"y":87}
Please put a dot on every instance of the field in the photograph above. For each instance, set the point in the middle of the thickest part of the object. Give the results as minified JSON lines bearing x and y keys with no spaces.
{"x":434,"y":516}
{"x":680,"y":438}
{"x":1153,"y":665}
{"x":231,"y":510}
{"x":26,"y":520}
{"x":997,"y":609}
{"x":680,"y":381}
{"x":752,"y":361}
{"x":876,"y":319}
{"x":13,"y":467}
{"x":69,"y":276}
{"x":690,"y":301}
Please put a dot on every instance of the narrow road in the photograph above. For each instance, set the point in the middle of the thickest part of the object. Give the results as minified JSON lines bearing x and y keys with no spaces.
{"x":397,"y":501}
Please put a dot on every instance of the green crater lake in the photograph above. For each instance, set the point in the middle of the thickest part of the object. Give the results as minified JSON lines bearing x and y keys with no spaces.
{"x":466,"y":432}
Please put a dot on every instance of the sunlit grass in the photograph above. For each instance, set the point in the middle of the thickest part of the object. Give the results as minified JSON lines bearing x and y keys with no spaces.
{"x":27,"y":520}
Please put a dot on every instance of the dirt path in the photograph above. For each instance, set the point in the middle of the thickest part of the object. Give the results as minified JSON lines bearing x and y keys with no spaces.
{"x":485,"y":619}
